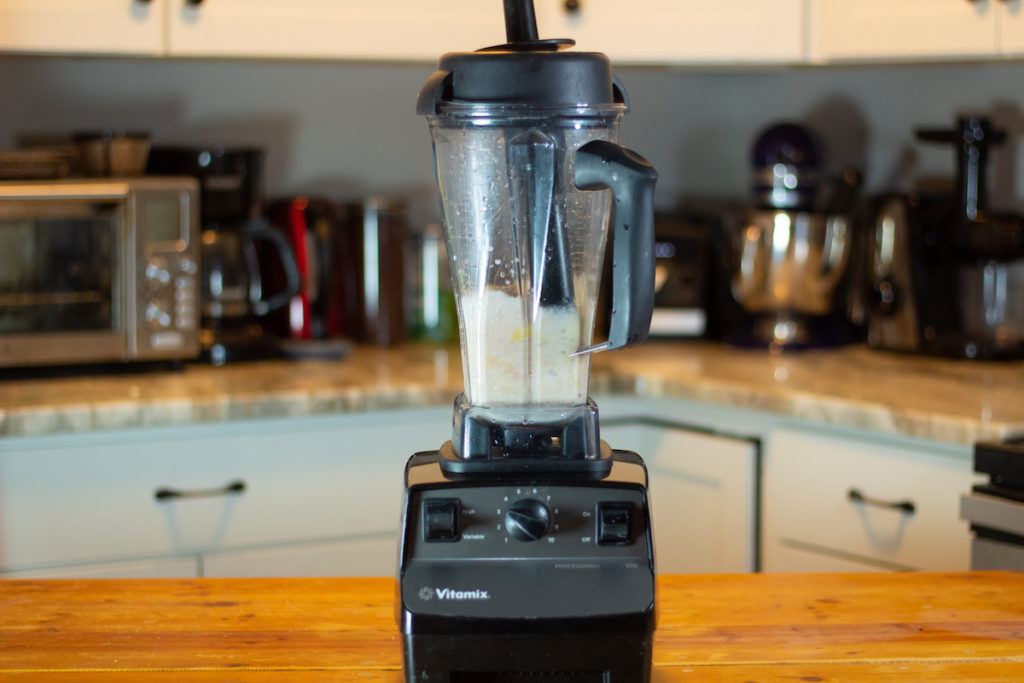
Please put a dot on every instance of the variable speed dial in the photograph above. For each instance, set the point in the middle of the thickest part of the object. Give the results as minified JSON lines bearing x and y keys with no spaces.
{"x":527,"y":519}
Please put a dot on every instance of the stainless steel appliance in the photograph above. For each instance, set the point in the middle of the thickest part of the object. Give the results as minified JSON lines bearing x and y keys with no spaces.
{"x":788,"y":268}
{"x":789,"y":253}
{"x":947,"y":275}
{"x":526,"y":546}
{"x":377,"y":232}
{"x":995,"y":509}
{"x":98,"y":270}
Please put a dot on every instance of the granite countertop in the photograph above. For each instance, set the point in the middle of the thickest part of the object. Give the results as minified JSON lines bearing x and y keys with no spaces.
{"x":956,"y":402}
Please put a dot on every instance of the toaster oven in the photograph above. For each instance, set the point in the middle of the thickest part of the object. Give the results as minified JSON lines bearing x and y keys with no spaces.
{"x":98,"y":270}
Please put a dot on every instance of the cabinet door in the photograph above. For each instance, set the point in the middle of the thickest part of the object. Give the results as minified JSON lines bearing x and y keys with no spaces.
{"x":702,"y":492}
{"x":654,"y":31}
{"x":97,"y":26}
{"x":91,"y":498}
{"x":397,"y":29}
{"x":883,"y":29}
{"x":829,"y":500}
{"x":1010,"y":19}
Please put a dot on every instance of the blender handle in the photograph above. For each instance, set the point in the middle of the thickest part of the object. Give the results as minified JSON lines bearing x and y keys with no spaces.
{"x":605,"y":165}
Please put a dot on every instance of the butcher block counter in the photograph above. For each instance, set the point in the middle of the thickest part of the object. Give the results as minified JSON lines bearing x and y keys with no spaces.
{"x":757,"y":627}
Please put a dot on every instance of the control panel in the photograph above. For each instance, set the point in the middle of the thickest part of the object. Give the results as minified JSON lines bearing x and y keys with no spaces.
{"x":167,"y":270}
{"x":548,"y":548}
{"x":542,"y":521}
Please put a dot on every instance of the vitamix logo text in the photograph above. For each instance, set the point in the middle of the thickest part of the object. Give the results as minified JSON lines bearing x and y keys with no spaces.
{"x":427,"y":593}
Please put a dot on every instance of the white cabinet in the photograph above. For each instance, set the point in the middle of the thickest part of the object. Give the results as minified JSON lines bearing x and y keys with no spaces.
{"x":644,"y":31}
{"x":1010,"y":22}
{"x":84,"y":501}
{"x":77,"y":26}
{"x":690,"y":31}
{"x":703,"y":492}
{"x":731,"y":491}
{"x":639,"y":32}
{"x":328,"y":29}
{"x":839,"y":504}
{"x":901,"y":29}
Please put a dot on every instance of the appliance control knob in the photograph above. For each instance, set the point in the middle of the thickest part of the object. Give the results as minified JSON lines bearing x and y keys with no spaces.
{"x":527,"y":519}
{"x":158,"y":272}
{"x":188,"y":266}
{"x":156,"y":316}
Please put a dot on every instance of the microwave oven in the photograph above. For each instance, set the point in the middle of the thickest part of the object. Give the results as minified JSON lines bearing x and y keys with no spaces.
{"x":99,"y":270}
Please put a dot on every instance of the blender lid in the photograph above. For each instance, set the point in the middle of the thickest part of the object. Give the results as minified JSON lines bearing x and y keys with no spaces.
{"x":525,"y":70}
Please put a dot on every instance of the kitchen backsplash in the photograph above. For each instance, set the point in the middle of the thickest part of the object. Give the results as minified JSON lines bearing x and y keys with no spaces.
{"x":344,"y":130}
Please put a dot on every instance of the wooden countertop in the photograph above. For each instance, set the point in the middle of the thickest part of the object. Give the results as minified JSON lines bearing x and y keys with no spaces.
{"x":957,"y":402}
{"x":755,"y":627}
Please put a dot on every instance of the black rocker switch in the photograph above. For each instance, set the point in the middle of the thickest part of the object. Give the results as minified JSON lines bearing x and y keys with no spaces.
{"x":613,"y":523}
{"x":441,"y":519}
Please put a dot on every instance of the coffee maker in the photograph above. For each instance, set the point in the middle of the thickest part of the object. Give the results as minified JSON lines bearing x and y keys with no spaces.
{"x":237,"y":243}
{"x":526,"y":550}
{"x":947,"y":274}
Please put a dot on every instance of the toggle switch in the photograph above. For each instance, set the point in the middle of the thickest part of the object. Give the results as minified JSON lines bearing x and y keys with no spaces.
{"x":441,"y":519}
{"x":613,"y":523}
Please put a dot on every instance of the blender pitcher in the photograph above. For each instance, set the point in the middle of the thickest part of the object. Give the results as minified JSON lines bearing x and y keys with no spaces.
{"x":524,"y":138}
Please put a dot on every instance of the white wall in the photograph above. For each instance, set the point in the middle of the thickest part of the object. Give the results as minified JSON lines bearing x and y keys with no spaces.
{"x":344,"y":130}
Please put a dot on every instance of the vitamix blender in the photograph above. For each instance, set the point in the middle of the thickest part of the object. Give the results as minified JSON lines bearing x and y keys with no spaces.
{"x":526,"y":548}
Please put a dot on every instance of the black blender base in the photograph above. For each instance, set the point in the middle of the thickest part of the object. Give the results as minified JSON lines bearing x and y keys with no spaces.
{"x":547,"y":577}
{"x":528,"y":658}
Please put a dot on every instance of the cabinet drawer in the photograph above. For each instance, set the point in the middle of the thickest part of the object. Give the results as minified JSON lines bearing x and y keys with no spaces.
{"x":850,"y":500}
{"x":91,"y":497}
{"x":702,"y":493}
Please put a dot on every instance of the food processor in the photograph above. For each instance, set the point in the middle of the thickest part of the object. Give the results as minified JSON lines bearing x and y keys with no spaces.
{"x":526,"y":548}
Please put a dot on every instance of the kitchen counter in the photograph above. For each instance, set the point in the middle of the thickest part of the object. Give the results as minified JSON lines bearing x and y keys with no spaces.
{"x":755,"y":627}
{"x":957,"y":402}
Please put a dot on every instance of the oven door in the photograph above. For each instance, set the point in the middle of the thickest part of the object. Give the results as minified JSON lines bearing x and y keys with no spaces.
{"x":63,"y":293}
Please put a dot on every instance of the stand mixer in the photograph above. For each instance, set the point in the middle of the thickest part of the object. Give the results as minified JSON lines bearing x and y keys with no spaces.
{"x":526,"y":541}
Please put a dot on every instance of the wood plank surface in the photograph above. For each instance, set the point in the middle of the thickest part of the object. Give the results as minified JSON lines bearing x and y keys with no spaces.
{"x":760,"y":627}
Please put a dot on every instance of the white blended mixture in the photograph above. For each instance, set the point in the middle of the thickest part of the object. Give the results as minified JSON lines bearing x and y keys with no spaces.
{"x":511,"y":361}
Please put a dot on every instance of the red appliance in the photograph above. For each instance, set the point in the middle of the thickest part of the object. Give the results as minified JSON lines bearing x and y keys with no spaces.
{"x":325,"y":306}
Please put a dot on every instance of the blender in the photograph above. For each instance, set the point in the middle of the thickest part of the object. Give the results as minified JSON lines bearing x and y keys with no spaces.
{"x":526,"y":549}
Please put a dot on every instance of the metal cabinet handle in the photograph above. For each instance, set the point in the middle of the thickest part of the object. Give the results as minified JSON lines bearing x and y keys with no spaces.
{"x":194,"y":3}
{"x":573,"y":6}
{"x":906,"y":506}
{"x":231,"y":488}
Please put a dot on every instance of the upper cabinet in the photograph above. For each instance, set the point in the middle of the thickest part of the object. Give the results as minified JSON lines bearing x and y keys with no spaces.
{"x":642,"y":31}
{"x":83,"y":26}
{"x":636,"y":32}
{"x":331,"y":29}
{"x":884,"y":30}
{"x":1010,"y":19}
{"x":679,"y":31}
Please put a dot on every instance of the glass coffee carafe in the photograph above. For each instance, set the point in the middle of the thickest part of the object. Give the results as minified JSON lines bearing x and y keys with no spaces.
{"x":524,"y":139}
